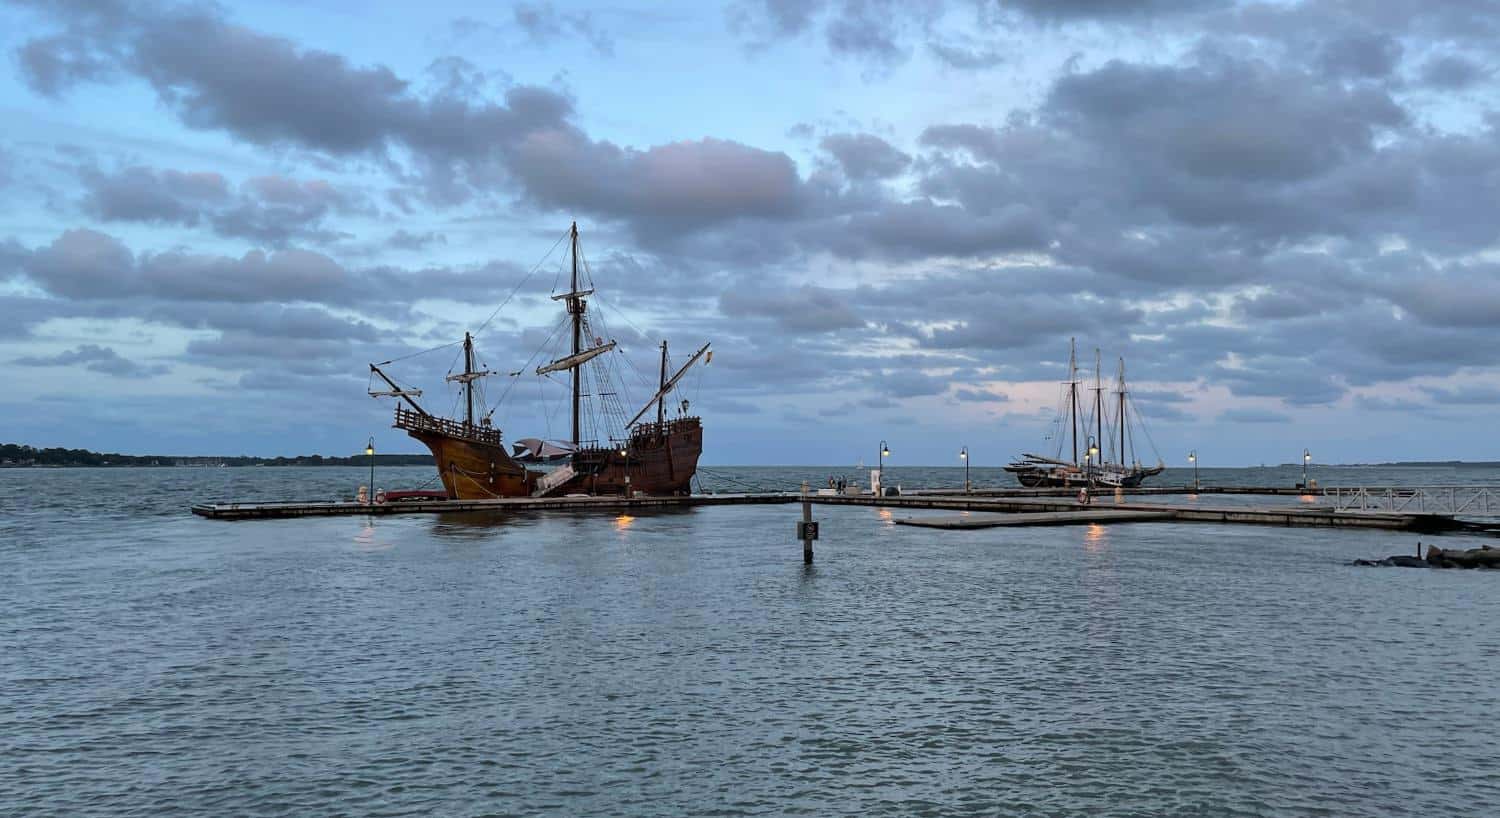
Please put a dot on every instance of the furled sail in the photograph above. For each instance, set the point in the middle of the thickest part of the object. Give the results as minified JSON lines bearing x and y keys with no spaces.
{"x":573,"y":361}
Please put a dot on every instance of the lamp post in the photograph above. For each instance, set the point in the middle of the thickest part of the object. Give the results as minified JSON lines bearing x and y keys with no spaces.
{"x":625,"y":453}
{"x":1088,"y":461}
{"x":885,"y":451}
{"x":1193,"y":458}
{"x":963,"y":455}
{"x":1306,"y":458}
{"x":370,"y":452}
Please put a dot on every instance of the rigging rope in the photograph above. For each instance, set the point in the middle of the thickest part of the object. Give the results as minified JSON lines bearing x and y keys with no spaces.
{"x":520,"y":283}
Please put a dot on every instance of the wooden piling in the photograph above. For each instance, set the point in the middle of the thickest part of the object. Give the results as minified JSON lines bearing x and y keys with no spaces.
{"x":807,"y":550}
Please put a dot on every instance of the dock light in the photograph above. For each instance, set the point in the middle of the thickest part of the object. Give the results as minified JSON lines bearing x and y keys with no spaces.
{"x":963,"y":455}
{"x":1193,"y":458}
{"x":885,"y":451}
{"x":370,"y":452}
{"x":1306,"y":458}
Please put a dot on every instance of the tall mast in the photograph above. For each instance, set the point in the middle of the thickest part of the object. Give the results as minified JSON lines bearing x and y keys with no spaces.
{"x":1073,"y":391}
{"x":575,"y":309}
{"x":468,"y":379}
{"x":661,"y":399}
{"x":1098,"y":407}
{"x":1122,"y":412}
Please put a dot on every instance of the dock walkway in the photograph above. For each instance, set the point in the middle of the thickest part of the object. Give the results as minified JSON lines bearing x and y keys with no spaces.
{"x":1011,"y":503}
{"x":1035,"y":518}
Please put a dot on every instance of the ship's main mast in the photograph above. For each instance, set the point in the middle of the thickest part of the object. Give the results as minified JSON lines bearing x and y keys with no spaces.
{"x":576,"y":307}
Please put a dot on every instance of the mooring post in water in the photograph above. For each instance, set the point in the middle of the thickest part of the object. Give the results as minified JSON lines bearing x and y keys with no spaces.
{"x":807,"y":530}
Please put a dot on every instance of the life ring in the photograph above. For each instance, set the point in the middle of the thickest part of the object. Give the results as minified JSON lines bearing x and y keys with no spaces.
{"x":1083,"y":496}
{"x":379,"y":497}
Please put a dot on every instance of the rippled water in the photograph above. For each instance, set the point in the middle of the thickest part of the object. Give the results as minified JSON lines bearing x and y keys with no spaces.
{"x":152,"y":663}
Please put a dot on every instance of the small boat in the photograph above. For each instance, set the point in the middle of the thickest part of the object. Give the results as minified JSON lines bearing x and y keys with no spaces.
{"x":1106,"y":461}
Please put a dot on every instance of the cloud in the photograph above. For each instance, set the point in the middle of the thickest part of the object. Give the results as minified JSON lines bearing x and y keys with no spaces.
{"x":1465,"y":395}
{"x":1253,"y":416}
{"x":405,"y":240}
{"x":964,"y":57}
{"x":1452,"y":72}
{"x":95,"y":358}
{"x":865,"y":156}
{"x":544,"y":25}
{"x":1058,"y":11}
{"x":980,"y":396}
{"x":806,"y":309}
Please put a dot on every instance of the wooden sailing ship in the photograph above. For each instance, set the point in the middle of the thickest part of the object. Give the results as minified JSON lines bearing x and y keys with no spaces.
{"x":1101,"y":461}
{"x":658,"y":456}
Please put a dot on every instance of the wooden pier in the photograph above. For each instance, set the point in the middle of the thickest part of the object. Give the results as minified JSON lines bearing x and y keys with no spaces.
{"x":1062,"y":509}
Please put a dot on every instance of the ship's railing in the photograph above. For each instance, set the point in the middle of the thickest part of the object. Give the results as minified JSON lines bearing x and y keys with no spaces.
{"x":414,"y":421}
{"x":1478,"y":500}
{"x":654,"y":429}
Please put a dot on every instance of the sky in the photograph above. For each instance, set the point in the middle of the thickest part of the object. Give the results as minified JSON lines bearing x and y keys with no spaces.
{"x":889,"y":218}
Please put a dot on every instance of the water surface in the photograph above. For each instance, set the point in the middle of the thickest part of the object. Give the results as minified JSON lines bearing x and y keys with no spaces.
{"x":154,"y":663}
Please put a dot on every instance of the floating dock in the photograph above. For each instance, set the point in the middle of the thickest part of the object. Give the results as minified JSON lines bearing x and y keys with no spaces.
{"x":994,"y":520}
{"x":250,"y":511}
{"x":1009,"y":504}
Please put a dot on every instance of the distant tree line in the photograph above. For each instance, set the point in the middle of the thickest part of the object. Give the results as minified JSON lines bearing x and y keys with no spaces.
{"x":15,"y":454}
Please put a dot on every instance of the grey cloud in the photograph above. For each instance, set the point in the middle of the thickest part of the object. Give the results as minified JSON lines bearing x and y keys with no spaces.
{"x":964,"y":57}
{"x":406,"y":240}
{"x":1363,"y":54}
{"x":86,"y":264}
{"x":909,"y":383}
{"x":865,"y":156}
{"x":1296,"y":381}
{"x":664,"y":189}
{"x":807,"y":309}
{"x":543,"y":24}
{"x":1465,"y":396}
{"x":980,"y":396}
{"x":1451,"y":72}
{"x":1070,"y":10}
{"x":146,"y":195}
{"x":95,"y":358}
{"x":269,"y":209}
{"x":1375,"y":403}
{"x":1253,"y":416}
{"x":266,"y":90}
{"x":874,"y":31}
{"x":1225,"y":119}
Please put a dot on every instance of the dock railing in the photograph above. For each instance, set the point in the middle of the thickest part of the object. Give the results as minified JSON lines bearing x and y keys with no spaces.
{"x":1454,"y":500}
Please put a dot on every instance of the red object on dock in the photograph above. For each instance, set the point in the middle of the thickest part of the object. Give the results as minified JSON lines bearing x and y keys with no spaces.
{"x":414,"y":496}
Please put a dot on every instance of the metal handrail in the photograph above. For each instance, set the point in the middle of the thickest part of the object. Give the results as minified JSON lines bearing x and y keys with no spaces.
{"x":1455,"y":499}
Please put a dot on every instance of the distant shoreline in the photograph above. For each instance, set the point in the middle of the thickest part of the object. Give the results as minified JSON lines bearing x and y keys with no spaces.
{"x":17,"y":456}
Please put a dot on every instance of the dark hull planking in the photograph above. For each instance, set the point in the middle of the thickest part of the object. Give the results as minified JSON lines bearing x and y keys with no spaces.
{"x":660,"y":460}
{"x":472,"y":470}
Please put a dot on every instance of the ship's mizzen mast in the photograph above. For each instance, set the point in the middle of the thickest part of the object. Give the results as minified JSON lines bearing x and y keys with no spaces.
{"x":576,"y":306}
{"x":661,"y":408}
{"x":666,"y":387}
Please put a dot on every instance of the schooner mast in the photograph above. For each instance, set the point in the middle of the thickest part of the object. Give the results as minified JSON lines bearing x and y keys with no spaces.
{"x":1073,"y":391}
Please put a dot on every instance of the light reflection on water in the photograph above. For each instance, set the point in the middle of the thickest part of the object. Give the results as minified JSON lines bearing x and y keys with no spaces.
{"x":152,"y":662}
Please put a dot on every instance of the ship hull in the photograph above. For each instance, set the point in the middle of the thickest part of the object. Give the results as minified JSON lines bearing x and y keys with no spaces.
{"x":471,"y":470}
{"x":658,"y":460}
